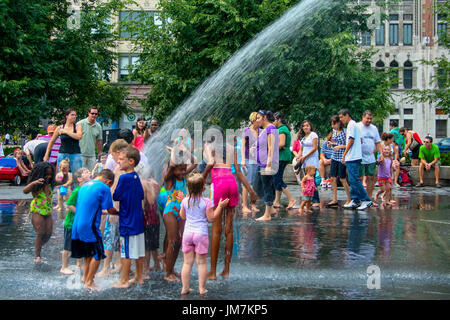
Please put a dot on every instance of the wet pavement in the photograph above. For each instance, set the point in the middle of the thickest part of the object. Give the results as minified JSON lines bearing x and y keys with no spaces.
{"x":323,"y":256}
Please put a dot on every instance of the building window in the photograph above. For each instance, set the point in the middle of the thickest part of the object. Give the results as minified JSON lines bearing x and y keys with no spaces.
{"x":379,"y":35}
{"x":365,"y":38}
{"x":442,"y":78}
{"x":393,"y":17}
{"x":408,"y":111}
{"x":127,"y":64}
{"x":442,"y":31}
{"x":394,"y":70}
{"x":407,"y":75}
{"x":407,"y":34}
{"x":126,"y":17}
{"x":408,"y":123}
{"x":407,"y":17}
{"x":393,"y":34}
{"x":441,"y":128}
{"x":379,"y":66}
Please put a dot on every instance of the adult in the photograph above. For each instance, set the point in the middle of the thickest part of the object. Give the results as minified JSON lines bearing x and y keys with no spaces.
{"x":285,"y":156}
{"x":388,"y":140}
{"x":370,"y":143}
{"x":267,"y":155}
{"x":70,"y":134}
{"x":326,"y":153}
{"x":140,"y":133}
{"x":297,"y":156}
{"x":413,"y":143}
{"x":248,"y":159}
{"x":429,"y":156}
{"x":36,"y":149}
{"x":56,"y":145}
{"x":352,"y":158}
{"x":309,"y":151}
{"x":337,"y":168}
{"x":92,"y":138}
{"x":399,"y":140}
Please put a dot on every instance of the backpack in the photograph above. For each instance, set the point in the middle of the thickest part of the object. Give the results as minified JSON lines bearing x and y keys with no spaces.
{"x":403,"y":178}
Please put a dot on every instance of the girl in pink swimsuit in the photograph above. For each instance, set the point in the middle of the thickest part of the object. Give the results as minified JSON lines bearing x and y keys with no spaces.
{"x":223,"y":186}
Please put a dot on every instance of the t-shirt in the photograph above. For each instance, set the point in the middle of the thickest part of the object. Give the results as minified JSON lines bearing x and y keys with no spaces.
{"x":429,"y":155}
{"x":328,"y":152}
{"x":355,"y":152}
{"x":72,"y":201}
{"x":384,"y":168}
{"x":307,"y":145}
{"x":285,"y":153}
{"x":93,"y":197}
{"x":370,"y":136}
{"x":262,"y":147}
{"x":91,"y":133}
{"x":398,"y":138}
{"x":296,"y":146}
{"x":55,"y":148}
{"x":130,"y":193}
{"x":250,"y":139}
{"x":196,"y":220}
{"x":31,"y":145}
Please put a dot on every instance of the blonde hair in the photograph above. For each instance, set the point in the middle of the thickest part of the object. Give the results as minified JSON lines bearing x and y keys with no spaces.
{"x":310,"y":167}
{"x":117,"y":145}
{"x":65,"y":162}
{"x":195,"y":184}
{"x":253,"y":116}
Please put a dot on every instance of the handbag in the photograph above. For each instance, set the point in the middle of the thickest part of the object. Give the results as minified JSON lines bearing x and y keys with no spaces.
{"x":413,"y":144}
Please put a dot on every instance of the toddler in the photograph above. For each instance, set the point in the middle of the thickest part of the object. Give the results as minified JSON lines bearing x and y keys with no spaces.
{"x":308,"y":187}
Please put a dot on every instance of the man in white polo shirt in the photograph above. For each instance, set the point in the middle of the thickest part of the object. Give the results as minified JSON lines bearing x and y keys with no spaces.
{"x":92,"y":138}
{"x":352,"y":159}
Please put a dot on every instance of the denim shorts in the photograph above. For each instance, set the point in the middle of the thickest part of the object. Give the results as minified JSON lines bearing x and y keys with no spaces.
{"x":74,"y":160}
{"x":278,"y":182}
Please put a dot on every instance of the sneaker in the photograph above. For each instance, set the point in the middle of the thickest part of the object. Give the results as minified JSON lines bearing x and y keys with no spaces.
{"x":420,"y":184}
{"x":364,"y":205}
{"x":438,"y":185}
{"x":352,"y":205}
{"x":323,"y":184}
{"x":329,"y":184}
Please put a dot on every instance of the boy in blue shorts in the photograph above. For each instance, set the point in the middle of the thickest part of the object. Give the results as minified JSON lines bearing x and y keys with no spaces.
{"x":129,"y":193}
{"x":93,"y":197}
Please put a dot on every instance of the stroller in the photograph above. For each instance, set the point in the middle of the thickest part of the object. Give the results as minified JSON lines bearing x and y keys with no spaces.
{"x":10,"y":171}
{"x":404,"y":179}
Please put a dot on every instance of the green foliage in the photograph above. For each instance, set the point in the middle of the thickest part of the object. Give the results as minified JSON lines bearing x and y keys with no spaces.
{"x":440,"y":82}
{"x":47,"y":67}
{"x":445,"y":159}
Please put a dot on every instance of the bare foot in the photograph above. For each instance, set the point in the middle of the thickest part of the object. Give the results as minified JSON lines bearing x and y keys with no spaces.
{"x":92,"y":286}
{"x":316,"y":204}
{"x":264,"y":218}
{"x":246,"y":210}
{"x":137,"y":281}
{"x":211,"y":276}
{"x":225,"y":274}
{"x":374,"y":204}
{"x":186,"y":291}
{"x":203,"y":291}
{"x":38,"y":259}
{"x":156,"y":267}
{"x":291,"y":204}
{"x":145,"y":277}
{"x":392,"y":201}
{"x":255,"y":209}
{"x":116,"y":270}
{"x":121,"y":285}
{"x":171,"y":277}
{"x":276,"y":205}
{"x":66,"y":271}
{"x":104,"y":273}
{"x":162,"y":258}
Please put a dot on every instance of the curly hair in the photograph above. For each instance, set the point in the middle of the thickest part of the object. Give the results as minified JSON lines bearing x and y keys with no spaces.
{"x":40,"y":171}
{"x":301,"y":133}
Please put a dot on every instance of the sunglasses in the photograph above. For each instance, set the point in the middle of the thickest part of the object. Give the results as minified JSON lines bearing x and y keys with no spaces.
{"x":94,"y":113}
{"x":264,"y":112}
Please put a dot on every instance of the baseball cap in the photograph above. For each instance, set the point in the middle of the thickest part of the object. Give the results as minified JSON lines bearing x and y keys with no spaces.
{"x":51,"y":128}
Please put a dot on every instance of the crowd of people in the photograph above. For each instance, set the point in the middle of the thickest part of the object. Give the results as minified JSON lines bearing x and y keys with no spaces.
{"x":114,"y":203}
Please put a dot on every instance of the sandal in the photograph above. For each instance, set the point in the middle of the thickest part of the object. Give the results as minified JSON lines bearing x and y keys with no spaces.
{"x":420,"y":184}
{"x":332,"y":204}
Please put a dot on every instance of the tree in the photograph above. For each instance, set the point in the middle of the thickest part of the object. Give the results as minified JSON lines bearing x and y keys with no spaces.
{"x":47,"y":66}
{"x":311,"y":75}
{"x":440,"y":82}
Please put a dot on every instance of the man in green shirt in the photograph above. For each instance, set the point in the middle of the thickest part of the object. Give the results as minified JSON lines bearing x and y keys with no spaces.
{"x":429,"y":157}
{"x":92,"y":137}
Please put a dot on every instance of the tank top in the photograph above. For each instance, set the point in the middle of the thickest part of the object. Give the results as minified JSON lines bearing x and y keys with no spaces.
{"x":139,"y":143}
{"x":68,"y":144}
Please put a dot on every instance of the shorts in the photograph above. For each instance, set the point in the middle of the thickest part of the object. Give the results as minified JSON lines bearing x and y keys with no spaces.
{"x":222,"y":188}
{"x":415,"y":152}
{"x":195,"y":241}
{"x":383,"y":181}
{"x":368,"y":169}
{"x":81,"y":249}
{"x":39,"y":152}
{"x":338,"y":170}
{"x":306,"y":198}
{"x":74,"y":158}
{"x":132,"y":247}
{"x":67,"y":239}
{"x":151,"y":236}
{"x":111,"y":236}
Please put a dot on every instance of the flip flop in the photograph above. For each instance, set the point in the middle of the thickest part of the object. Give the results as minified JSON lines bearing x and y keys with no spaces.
{"x":332,"y":204}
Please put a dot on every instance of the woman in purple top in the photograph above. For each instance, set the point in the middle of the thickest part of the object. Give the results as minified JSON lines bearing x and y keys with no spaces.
{"x":248,"y":155}
{"x":267,"y":156}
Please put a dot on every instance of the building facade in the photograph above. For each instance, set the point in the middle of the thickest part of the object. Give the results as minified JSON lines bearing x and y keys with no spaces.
{"x":409,"y":35}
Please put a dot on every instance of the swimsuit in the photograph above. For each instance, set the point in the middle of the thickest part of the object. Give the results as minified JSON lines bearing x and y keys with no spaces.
{"x":223,"y":186}
{"x":172,"y":204}
{"x":42,"y":203}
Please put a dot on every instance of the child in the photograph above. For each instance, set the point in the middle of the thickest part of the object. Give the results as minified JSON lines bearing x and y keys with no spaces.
{"x":24,"y":171}
{"x":41,"y":183}
{"x":385,"y":170}
{"x":130,"y":193}
{"x":223,"y":186}
{"x":64,"y":177}
{"x":93,"y":197}
{"x":81,"y":176}
{"x":308,"y":188}
{"x":170,"y":197}
{"x":197,"y":211}
{"x":100,"y":165}
{"x":151,"y":224}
